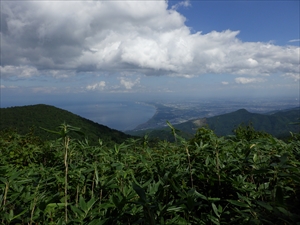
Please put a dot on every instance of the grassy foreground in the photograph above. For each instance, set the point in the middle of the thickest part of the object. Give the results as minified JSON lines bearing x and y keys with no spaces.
{"x":247,"y":178}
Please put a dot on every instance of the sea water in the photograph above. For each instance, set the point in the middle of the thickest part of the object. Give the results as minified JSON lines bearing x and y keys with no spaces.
{"x":116,"y":115}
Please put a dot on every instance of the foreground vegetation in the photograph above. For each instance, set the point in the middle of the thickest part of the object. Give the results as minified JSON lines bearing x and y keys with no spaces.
{"x":247,"y":178}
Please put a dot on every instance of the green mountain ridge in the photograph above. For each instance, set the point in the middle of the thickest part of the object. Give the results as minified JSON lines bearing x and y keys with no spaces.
{"x":33,"y":117}
{"x":278,"y":124}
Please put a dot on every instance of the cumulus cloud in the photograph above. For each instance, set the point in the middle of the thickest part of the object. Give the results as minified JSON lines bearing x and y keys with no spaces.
{"x":116,"y":36}
{"x":225,"y":82}
{"x":127,"y":83}
{"x":296,"y":77}
{"x":18,"y":71}
{"x":185,"y":4}
{"x":95,"y":86}
{"x":247,"y":80}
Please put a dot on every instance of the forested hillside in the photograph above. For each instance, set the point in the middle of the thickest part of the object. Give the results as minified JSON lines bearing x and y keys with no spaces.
{"x":278,"y":124}
{"x":33,"y":117}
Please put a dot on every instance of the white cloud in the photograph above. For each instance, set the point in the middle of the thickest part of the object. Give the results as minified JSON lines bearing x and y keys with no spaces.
{"x":252,"y":62}
{"x":8,"y":87}
{"x":294,"y":40}
{"x":247,"y":80}
{"x":188,"y":76}
{"x":295,"y":77}
{"x":46,"y":90}
{"x":95,"y":86}
{"x":116,"y":36}
{"x":18,"y":71}
{"x":61,"y":74}
{"x":185,"y":3}
{"x":225,"y":82}
{"x":127,"y":83}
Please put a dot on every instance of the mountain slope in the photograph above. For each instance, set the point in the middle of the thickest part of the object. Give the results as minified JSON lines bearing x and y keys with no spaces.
{"x":26,"y":118}
{"x":277,"y":124}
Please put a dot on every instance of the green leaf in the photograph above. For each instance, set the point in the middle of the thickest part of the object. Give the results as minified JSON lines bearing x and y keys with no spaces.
{"x":175,"y":209}
{"x":213,"y":199}
{"x":140,"y":191}
{"x":50,"y":208}
{"x":82,"y":204}
{"x":237,"y":203}
{"x":98,"y":221}
{"x":51,"y":131}
{"x":255,"y":157}
{"x":284,"y":211}
{"x":215,"y":209}
{"x":77,"y":211}
{"x":265,"y":205}
{"x":207,"y":160}
{"x":279,"y":195}
{"x":3,"y":180}
{"x":96,"y":176}
{"x":90,"y":203}
{"x":11,"y":215}
{"x":214,"y":220}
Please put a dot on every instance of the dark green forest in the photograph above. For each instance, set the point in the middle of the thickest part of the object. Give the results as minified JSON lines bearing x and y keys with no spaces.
{"x":250,"y":177}
{"x":31,"y":118}
{"x":279,"y":124}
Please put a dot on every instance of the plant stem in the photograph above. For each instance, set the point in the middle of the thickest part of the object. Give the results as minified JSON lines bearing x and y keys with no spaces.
{"x":5,"y":196}
{"x":66,"y":145}
{"x":34,"y":204}
{"x":190,"y":166}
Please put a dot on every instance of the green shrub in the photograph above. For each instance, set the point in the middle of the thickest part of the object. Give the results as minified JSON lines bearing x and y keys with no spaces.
{"x":250,"y":178}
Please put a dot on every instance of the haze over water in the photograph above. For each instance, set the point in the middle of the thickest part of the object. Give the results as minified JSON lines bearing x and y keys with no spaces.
{"x":118,"y":115}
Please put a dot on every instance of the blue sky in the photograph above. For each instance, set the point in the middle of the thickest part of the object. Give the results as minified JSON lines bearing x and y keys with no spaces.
{"x":83,"y":50}
{"x":257,"y":21}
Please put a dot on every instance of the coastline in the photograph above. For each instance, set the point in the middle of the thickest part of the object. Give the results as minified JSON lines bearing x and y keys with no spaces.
{"x":151,"y":118}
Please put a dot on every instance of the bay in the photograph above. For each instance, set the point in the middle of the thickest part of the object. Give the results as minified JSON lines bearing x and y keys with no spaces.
{"x":116,"y":115}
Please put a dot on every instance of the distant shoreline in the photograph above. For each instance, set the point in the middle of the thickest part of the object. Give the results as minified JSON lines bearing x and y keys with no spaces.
{"x":155,"y":113}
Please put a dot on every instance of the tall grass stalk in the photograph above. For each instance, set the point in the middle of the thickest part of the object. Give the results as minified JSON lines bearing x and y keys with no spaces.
{"x":66,"y":146}
{"x":190,"y":165}
{"x":5,"y":196}
{"x":34,"y":204}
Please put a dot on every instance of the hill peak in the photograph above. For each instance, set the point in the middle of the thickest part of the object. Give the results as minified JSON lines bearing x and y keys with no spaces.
{"x":242,"y":111}
{"x":33,"y":117}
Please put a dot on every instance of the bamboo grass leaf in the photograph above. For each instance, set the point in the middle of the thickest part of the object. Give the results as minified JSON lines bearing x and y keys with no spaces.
{"x":265,"y":205}
{"x":279,"y":195}
{"x":90,"y":203}
{"x":51,"y":131}
{"x":140,"y":191}
{"x":98,"y":222}
{"x":77,"y":211}
{"x":82,"y":204}
{"x":215,"y":209}
{"x":175,"y":209}
{"x":284,"y":211}
{"x":214,"y":219}
{"x":238,"y":203}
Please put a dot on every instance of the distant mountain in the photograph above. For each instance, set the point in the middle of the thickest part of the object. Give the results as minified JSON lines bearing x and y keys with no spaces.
{"x":278,"y":124}
{"x":26,"y":118}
